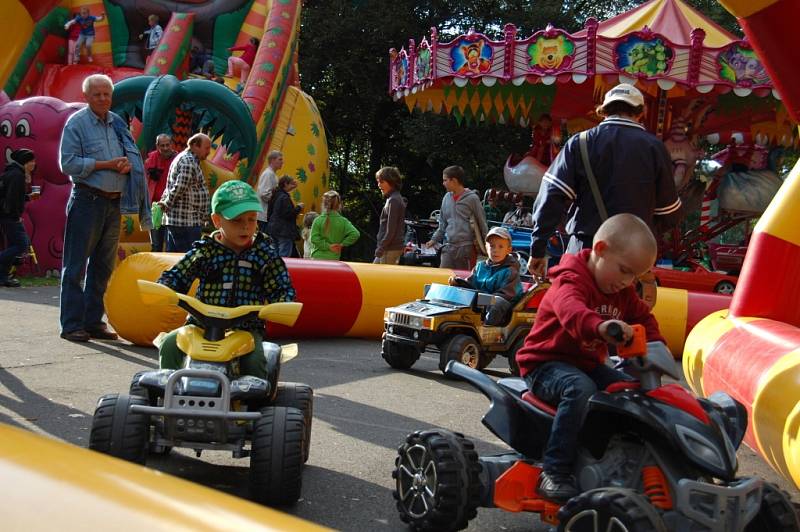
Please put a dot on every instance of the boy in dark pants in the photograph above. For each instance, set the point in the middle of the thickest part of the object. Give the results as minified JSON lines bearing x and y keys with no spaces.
{"x":236,"y":265}
{"x":563,"y":359}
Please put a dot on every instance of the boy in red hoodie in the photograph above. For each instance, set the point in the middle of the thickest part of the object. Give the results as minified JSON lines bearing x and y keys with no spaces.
{"x":563,"y":359}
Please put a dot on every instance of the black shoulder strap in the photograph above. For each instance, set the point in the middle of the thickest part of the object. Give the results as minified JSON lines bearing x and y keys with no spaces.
{"x":598,"y":199}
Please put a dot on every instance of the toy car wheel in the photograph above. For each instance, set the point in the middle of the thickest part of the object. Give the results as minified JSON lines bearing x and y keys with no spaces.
{"x":141,"y":391}
{"x":461,"y":348}
{"x":117,"y":431}
{"x":276,"y":456}
{"x":399,"y":356}
{"x":512,"y":355}
{"x":776,"y":514}
{"x":612,"y":509}
{"x":436,"y":480}
{"x":724,"y":287}
{"x":301,"y":397}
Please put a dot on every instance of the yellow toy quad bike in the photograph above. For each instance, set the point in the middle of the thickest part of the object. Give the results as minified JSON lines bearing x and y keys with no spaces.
{"x":449,"y":319}
{"x":208,"y":404}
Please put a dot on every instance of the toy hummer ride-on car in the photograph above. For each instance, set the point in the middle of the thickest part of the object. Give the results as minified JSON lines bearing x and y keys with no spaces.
{"x":209,"y":405}
{"x":449,"y":319}
{"x":651,"y":458}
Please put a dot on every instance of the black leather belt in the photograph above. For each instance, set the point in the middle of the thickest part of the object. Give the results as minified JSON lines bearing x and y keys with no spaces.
{"x":99,"y":192}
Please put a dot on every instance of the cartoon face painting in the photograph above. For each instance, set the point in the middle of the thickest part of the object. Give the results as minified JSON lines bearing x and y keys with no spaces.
{"x":36,"y":123}
{"x":471,"y":57}
{"x":738,"y":65}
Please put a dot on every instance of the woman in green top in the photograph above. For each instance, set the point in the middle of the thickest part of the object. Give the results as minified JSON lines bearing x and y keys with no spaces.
{"x":331,"y":231}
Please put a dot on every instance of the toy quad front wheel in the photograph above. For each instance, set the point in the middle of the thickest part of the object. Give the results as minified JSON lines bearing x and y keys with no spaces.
{"x":776,"y":513}
{"x":399,"y":356}
{"x":437,"y":485}
{"x":465,"y":349}
{"x":276,"y":456}
{"x":603,"y":509}
{"x":119,"y":432}
{"x":301,"y":397}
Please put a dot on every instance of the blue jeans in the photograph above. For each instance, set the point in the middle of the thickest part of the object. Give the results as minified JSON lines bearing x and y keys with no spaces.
{"x":285,"y":246}
{"x":17,"y":243}
{"x":180,"y":238}
{"x":92,"y":232}
{"x":570,"y":388}
{"x":158,"y":238}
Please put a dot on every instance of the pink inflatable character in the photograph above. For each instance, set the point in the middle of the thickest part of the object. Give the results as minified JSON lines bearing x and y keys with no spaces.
{"x":36,"y":123}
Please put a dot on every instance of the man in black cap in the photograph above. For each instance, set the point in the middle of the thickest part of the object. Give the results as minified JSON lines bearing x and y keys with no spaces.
{"x":12,"y":202}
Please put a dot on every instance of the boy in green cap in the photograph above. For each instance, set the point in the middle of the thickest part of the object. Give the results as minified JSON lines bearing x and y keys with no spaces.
{"x":236,"y":265}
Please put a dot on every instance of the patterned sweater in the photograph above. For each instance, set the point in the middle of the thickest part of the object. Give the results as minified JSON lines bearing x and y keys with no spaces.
{"x":255,"y":276}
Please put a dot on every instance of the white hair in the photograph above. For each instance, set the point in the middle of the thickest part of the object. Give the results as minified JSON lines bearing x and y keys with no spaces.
{"x":96,"y":79}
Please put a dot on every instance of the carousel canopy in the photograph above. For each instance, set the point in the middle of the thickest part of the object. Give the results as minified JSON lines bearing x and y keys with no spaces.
{"x":687,"y":66}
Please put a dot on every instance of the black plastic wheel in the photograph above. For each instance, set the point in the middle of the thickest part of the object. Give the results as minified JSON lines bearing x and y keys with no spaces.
{"x":399,"y":356}
{"x":276,"y":456}
{"x":436,"y":480}
{"x":118,"y":432}
{"x":610,"y":510}
{"x":777,"y":514}
{"x":512,"y":355}
{"x":301,"y":397}
{"x":141,"y":391}
{"x":725,"y":287}
{"x":461,"y":348}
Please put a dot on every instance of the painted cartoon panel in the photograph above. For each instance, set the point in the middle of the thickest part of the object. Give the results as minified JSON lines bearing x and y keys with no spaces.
{"x":471,"y":56}
{"x":423,"y":66}
{"x":549,"y":53}
{"x":738,"y":64}
{"x":638,"y":55}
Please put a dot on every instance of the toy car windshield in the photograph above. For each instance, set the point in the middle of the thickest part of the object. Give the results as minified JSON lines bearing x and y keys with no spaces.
{"x":450,"y":294}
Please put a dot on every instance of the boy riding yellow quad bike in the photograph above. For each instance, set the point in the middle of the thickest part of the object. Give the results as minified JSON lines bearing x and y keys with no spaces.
{"x":210,"y":404}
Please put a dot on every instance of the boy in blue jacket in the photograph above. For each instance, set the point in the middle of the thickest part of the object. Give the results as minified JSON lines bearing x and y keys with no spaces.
{"x":498,"y":275}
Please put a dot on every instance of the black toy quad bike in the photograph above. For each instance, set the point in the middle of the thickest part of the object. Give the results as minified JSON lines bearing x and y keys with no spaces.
{"x":209,"y":405}
{"x":652,"y":457}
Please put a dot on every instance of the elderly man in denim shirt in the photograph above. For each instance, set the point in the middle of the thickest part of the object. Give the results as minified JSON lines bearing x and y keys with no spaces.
{"x":100,"y":155}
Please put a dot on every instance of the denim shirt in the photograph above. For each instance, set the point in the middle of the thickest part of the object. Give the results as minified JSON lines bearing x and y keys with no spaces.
{"x":85,"y":140}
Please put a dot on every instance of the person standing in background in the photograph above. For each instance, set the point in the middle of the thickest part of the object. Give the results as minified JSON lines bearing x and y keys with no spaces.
{"x":267,"y":183}
{"x":17,"y":173}
{"x":282,"y":225}
{"x":185,"y":201}
{"x":391,"y":232}
{"x":331,"y":232}
{"x":462,"y":221}
{"x":153,"y":35}
{"x":157,"y":168}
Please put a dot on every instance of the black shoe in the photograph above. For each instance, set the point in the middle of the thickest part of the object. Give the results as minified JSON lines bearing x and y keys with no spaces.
{"x":76,"y":336}
{"x":102,"y":333}
{"x":11,"y":282}
{"x":556,"y":486}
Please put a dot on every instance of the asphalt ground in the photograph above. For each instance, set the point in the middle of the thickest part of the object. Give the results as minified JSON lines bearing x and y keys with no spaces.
{"x":362,"y":411}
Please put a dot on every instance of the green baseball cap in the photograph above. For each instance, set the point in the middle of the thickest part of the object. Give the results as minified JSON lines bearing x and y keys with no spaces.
{"x":232,"y":198}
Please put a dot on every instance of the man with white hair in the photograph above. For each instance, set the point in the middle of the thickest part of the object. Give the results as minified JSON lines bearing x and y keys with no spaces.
{"x":98,"y":153}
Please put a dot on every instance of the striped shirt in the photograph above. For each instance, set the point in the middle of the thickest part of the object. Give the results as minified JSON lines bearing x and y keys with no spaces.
{"x":186,"y":198}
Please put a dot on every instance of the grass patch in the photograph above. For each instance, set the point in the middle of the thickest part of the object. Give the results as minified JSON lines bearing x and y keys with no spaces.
{"x":39,"y":281}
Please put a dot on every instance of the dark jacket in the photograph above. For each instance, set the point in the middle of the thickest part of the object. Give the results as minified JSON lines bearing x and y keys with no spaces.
{"x":283,"y":213}
{"x":12,"y":192}
{"x":567,"y":321}
{"x":391,"y":233}
{"x":634,"y":174}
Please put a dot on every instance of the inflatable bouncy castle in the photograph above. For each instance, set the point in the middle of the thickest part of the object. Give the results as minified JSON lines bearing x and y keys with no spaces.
{"x":172,"y":90}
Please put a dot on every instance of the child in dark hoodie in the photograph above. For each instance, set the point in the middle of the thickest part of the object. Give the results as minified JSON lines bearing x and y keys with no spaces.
{"x":563,"y":359}
{"x":498,"y":275}
{"x":12,"y":203}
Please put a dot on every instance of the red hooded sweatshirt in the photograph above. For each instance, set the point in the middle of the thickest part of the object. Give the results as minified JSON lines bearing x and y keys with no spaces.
{"x":570,"y":313}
